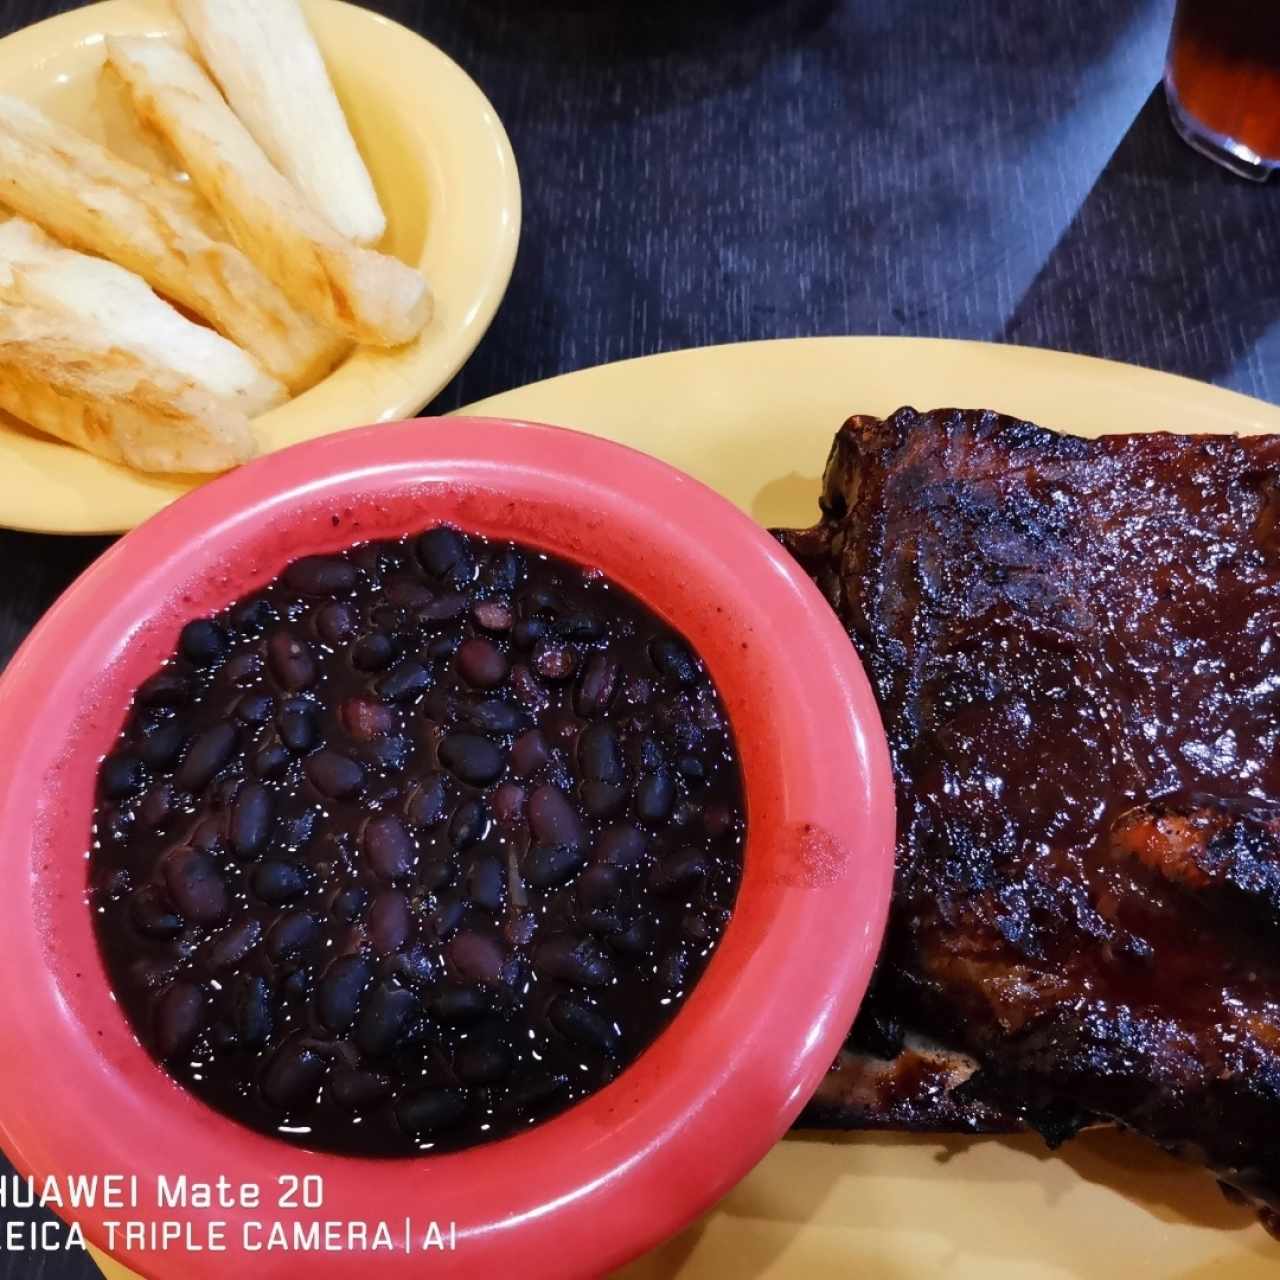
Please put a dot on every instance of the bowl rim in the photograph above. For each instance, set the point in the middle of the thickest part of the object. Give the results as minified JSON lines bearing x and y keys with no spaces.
{"x":636,"y":1161}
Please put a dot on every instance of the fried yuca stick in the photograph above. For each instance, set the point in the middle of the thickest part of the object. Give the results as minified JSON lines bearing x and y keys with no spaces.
{"x":367,"y":295}
{"x":267,"y":63}
{"x":89,"y":354}
{"x":94,"y":200}
{"x":38,"y":272}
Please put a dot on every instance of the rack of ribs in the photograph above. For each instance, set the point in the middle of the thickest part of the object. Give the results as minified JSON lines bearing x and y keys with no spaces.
{"x":1075,"y":646}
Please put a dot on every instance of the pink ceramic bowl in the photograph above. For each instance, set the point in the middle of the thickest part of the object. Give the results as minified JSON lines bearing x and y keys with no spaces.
{"x":635,"y":1162}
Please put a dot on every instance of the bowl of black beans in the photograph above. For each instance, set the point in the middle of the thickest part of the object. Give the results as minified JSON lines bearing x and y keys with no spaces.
{"x":481,"y":820}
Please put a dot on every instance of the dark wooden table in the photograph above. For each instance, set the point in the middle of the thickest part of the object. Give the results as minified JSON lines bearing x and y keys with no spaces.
{"x":701,"y":171}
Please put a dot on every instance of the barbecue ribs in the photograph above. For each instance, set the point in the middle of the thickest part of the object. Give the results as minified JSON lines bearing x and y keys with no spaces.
{"x":1075,"y":645}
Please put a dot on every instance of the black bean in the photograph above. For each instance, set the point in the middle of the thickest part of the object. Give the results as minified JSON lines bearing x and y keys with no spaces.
{"x":404,"y":682}
{"x":196,"y":885}
{"x":441,"y":646}
{"x":407,"y":593}
{"x":492,"y":716}
{"x":435,"y":873}
{"x":527,"y":689}
{"x":322,"y":576}
{"x":548,"y":865}
{"x":341,"y":989}
{"x":634,"y":939}
{"x":492,"y":615}
{"x":355,"y":1089}
{"x":278,"y":881}
{"x":600,"y":754}
{"x":209,"y":752}
{"x":290,"y":661}
{"x":622,"y":845}
{"x":203,"y":642}
{"x":297,"y":725}
{"x":388,"y":847}
{"x":483,"y":1061}
{"x":121,"y":776}
{"x":389,"y":754}
{"x":553,"y":818}
{"x":602,"y":921}
{"x":298,"y":829}
{"x":428,"y":802}
{"x":156,"y":806}
{"x":672,"y":659}
{"x":476,"y":957}
{"x":442,"y":609}
{"x":692,"y":770}
{"x":415,"y":965}
{"x":208,"y":836}
{"x":580,"y":626}
{"x":233,"y":943}
{"x":297,"y":984}
{"x":576,"y":960}
{"x":251,"y":1010}
{"x":242,"y":669}
{"x":584,"y":1025}
{"x":164,"y":689}
{"x":293,"y":1076}
{"x":697,"y":928}
{"x":271,"y":760}
{"x":385,"y":1012}
{"x":602,"y":799}
{"x":178,"y":1019}
{"x":469,"y":823}
{"x":349,"y":903}
{"x":481,"y":663}
{"x":509,"y":805}
{"x":430,"y":1111}
{"x":444,"y":554}
{"x":333,"y":774}
{"x":655,"y":796}
{"x":473,"y":759}
{"x":161,"y":746}
{"x":153,"y":915}
{"x":679,"y":870}
{"x":529,"y":753}
{"x":447,"y":915}
{"x":487,"y":882}
{"x":251,"y":616}
{"x":250,"y":820}
{"x":554,"y":660}
{"x":528,"y":631}
{"x":673,"y":969}
{"x":255,"y":708}
{"x":292,"y":934}
{"x":459,"y":1005}
{"x":372,"y":652}
{"x":597,"y":683}
{"x":648,"y":754}
{"x":389,"y":922}
{"x":599,"y":886}
{"x":504,"y":570}
{"x":337,"y":622}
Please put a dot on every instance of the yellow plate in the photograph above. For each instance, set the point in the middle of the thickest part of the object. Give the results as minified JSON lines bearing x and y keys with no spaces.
{"x":755,"y":421}
{"x":447,"y":178}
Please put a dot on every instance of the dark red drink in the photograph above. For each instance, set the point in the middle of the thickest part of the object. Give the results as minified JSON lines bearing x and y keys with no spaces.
{"x":1223,"y":81}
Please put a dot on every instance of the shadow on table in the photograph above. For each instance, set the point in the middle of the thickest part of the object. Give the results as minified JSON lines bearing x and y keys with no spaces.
{"x":1205,"y":294}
